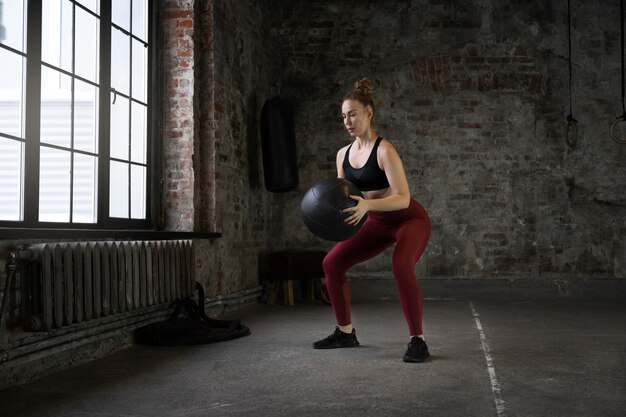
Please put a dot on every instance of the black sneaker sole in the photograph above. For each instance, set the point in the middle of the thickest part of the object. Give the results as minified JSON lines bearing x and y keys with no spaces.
{"x":337,"y":346}
{"x":410,"y":359}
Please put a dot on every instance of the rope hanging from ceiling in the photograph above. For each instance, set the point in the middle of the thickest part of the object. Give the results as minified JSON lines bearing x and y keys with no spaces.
{"x":620,"y":119}
{"x":571,"y":130}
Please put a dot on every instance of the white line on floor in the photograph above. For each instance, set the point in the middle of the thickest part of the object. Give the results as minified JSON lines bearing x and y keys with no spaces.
{"x":496,"y":388}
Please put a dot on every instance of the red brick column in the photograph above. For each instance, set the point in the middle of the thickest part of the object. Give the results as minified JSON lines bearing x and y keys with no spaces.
{"x":178,"y":114}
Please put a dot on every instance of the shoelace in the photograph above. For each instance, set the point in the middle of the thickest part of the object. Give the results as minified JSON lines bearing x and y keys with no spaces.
{"x":336,"y":335}
{"x":333,"y":337}
{"x":415,"y":341}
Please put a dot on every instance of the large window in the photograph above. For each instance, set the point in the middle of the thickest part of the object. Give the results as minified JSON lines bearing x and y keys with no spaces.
{"x":74,"y":147}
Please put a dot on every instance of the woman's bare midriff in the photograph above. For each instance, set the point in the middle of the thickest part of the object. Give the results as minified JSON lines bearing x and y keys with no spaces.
{"x":376,"y":194}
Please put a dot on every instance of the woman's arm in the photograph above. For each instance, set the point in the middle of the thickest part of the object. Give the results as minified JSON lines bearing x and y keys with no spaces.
{"x":340,"y":155}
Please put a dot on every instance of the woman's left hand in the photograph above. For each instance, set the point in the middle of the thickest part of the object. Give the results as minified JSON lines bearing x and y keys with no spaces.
{"x":357,"y":211}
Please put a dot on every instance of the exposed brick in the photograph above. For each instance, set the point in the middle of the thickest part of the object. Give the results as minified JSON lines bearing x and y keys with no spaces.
{"x":178,"y":14}
{"x":490,"y":110}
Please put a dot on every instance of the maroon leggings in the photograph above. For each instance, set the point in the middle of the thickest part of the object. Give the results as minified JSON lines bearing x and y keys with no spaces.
{"x":409,"y":229}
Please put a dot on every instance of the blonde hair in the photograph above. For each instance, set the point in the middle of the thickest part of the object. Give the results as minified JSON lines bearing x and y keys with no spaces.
{"x":362,"y":93}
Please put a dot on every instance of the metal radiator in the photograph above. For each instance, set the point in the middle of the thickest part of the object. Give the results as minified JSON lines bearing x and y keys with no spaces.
{"x":71,"y":282}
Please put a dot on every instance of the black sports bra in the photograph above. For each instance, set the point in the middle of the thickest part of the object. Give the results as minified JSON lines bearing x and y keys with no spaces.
{"x":370,"y":177}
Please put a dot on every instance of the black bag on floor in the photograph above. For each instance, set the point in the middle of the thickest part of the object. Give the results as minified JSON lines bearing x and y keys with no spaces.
{"x":189,"y":325}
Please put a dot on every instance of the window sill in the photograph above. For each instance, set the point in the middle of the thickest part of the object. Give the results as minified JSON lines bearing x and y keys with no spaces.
{"x":27,"y":233}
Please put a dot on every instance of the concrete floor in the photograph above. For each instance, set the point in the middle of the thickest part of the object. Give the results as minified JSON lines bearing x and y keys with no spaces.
{"x":489,"y":358}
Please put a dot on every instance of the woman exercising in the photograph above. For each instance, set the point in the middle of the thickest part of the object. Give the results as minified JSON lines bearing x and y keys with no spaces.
{"x":373,"y":165}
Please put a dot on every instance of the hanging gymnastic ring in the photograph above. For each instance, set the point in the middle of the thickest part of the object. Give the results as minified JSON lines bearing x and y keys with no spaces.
{"x":572,"y":124}
{"x":612,"y":130}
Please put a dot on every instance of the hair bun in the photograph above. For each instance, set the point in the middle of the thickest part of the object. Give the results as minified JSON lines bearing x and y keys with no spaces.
{"x":362,"y":92}
{"x":363,"y":85}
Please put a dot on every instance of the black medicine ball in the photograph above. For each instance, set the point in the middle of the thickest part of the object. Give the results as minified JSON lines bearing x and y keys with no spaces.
{"x":322,"y":206}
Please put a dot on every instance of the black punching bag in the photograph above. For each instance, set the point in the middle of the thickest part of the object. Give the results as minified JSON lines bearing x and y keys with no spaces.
{"x":278,"y":142}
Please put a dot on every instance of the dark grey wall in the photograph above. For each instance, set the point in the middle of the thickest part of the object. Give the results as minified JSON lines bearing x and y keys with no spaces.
{"x":474,"y":95}
{"x":235,"y":75}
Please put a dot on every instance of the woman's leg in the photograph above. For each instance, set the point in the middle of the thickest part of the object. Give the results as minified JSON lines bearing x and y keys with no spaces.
{"x":367,"y":243}
{"x":412,"y":238}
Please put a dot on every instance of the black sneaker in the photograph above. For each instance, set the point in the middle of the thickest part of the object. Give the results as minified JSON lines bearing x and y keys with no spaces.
{"x":417,"y":350}
{"x":338,"y":339}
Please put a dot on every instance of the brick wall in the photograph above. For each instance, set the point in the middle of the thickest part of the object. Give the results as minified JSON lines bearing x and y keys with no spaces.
{"x":220,"y":50}
{"x":178,"y":113}
{"x":474,"y":96}
{"x":242,"y":79}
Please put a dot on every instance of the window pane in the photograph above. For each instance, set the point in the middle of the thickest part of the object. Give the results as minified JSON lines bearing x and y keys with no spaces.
{"x":56,"y":39}
{"x":11,"y":163}
{"x":54,"y":185}
{"x":140,"y":21}
{"x":93,"y":5}
{"x":120,"y":13}
{"x":69,"y":110}
{"x":12,"y":24}
{"x":85,"y":180}
{"x":119,"y":128}
{"x":85,"y":116}
{"x":118,"y":190}
{"x":140,"y":55}
{"x":138,"y":192}
{"x":87,"y":45}
{"x":120,"y":62}
{"x":11,"y":93}
{"x":56,"y":107}
{"x":138,"y":133}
